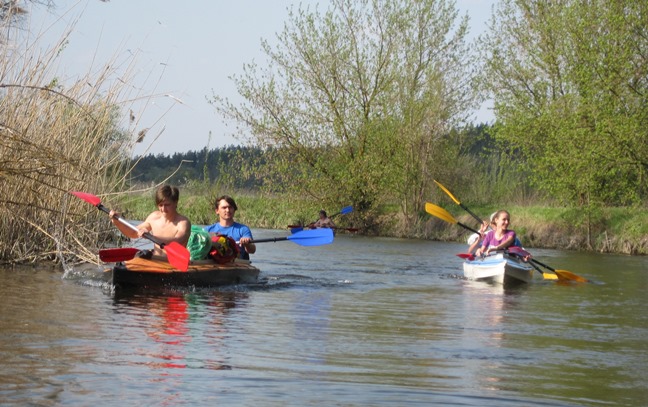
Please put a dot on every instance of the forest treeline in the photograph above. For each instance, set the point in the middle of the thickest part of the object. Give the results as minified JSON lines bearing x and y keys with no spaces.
{"x":205,"y":166}
{"x":241,"y":167}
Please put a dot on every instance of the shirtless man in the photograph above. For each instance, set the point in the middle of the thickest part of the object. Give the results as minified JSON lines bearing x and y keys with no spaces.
{"x":166,"y":223}
{"x":323,"y":222}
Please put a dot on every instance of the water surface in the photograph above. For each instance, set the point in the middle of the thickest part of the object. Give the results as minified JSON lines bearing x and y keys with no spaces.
{"x":364,"y":321}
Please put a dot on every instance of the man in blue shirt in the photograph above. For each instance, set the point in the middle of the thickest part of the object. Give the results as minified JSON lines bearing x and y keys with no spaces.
{"x":225,"y":208}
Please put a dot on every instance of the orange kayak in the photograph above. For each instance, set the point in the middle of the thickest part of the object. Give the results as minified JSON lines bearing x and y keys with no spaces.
{"x":139,"y":272}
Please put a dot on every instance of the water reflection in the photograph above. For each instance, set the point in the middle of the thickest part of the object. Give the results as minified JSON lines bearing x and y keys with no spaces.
{"x":177,"y":323}
{"x":485,"y":309}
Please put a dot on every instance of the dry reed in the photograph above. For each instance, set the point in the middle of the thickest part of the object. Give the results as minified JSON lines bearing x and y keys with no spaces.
{"x":57,"y":138}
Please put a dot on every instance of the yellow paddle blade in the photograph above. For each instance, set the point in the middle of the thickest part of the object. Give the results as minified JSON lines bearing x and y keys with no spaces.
{"x":549,"y":276}
{"x":568,"y":275}
{"x":447,"y":192}
{"x":439,"y":212}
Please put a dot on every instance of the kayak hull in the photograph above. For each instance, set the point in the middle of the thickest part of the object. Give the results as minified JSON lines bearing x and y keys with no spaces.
{"x":139,"y":272}
{"x":498,"y":268}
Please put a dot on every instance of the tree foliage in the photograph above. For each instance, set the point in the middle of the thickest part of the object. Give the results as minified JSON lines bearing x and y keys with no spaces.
{"x":570,"y":84}
{"x":357,"y":102}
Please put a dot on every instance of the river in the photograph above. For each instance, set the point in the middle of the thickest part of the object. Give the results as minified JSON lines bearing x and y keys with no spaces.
{"x":361,"y":322}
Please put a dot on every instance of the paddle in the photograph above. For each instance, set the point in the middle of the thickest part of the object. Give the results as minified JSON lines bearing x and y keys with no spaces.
{"x":477,"y":218}
{"x":313,"y":237}
{"x":343,"y":211}
{"x":466,"y":256}
{"x":562,"y":274}
{"x":117,"y":254}
{"x":352,"y":230}
{"x":177,"y":254}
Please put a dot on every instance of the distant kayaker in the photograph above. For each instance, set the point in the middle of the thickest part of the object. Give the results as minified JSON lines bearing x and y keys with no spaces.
{"x":323,"y":222}
{"x":500,"y":238}
{"x":225,"y":208}
{"x":166,"y":224}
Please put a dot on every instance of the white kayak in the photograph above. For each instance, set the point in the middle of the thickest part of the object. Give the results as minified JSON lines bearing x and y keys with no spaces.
{"x":498,"y":268}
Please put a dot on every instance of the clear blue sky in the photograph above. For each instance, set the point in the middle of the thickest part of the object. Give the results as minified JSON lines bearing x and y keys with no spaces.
{"x":183,"y":49}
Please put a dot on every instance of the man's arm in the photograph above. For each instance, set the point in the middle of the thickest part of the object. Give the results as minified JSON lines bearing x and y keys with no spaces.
{"x":246,"y":239}
{"x":184,"y":232}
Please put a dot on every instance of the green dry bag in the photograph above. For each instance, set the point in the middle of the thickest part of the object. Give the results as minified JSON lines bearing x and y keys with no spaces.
{"x":199,"y":243}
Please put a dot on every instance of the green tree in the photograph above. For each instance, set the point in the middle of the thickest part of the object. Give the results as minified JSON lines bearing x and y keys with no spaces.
{"x":356,"y":102}
{"x":570,"y":82}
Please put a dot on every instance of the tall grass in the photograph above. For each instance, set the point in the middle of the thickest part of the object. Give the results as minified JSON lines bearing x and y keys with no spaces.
{"x":56,"y":138}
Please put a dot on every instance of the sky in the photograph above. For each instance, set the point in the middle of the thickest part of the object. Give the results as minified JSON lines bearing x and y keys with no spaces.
{"x":181,"y":53}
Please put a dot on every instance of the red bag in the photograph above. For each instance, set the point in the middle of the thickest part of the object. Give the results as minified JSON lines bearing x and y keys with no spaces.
{"x":224,"y":249}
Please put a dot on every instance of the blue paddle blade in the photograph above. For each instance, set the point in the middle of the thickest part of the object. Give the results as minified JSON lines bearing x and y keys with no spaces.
{"x":295,"y":230}
{"x":313,"y":237}
{"x":346,"y":209}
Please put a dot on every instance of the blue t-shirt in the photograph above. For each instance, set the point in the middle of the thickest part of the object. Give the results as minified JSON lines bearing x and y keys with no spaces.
{"x":236,"y":232}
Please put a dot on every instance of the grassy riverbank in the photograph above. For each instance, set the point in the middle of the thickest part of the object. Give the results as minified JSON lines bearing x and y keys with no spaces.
{"x":611,"y":230}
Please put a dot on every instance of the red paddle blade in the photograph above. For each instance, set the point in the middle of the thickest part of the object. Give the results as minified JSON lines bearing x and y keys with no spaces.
{"x":117,"y":254}
{"x":178,"y":255}
{"x":466,"y":256}
{"x":89,"y":198}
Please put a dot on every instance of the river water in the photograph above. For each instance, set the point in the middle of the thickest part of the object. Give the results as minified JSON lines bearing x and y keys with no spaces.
{"x":360,"y":322}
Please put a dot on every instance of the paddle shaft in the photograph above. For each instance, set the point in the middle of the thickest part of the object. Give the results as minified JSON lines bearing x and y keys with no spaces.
{"x":347,"y":229}
{"x":133,"y":227}
{"x":477,"y":218}
{"x":343,"y":211}
{"x":468,"y":228}
{"x":454,"y":198}
{"x":271,"y":239}
{"x":543,"y":265}
{"x":442,"y":214}
{"x":313,"y":237}
{"x":523,"y":253}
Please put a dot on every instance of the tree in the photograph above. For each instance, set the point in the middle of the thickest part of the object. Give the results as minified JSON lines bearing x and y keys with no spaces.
{"x":356,"y":102}
{"x":570,"y":84}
